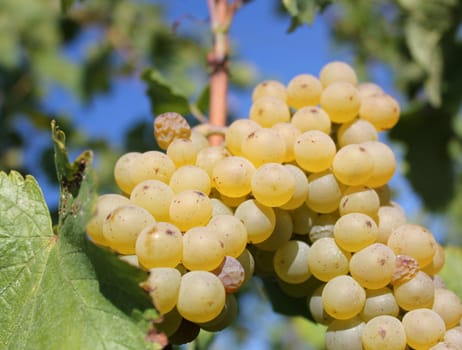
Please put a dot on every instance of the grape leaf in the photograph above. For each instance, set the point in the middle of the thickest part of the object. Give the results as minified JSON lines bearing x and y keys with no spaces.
{"x":49,"y":293}
{"x":303,"y":11}
{"x":163,"y":97}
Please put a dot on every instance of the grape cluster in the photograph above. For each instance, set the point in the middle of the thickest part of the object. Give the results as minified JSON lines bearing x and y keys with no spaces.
{"x":298,"y":193}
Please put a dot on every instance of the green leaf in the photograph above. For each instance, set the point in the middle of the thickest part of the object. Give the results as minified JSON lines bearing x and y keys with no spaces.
{"x":163,"y":96}
{"x":66,"y":4}
{"x":452,"y":272}
{"x":303,"y":11}
{"x":49,"y":292}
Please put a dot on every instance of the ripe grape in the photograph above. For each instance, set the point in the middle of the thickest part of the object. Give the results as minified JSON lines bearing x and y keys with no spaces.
{"x":269,"y":110}
{"x":454,"y":336}
{"x":199,"y":140}
{"x":263,"y":146}
{"x":384,"y":163}
{"x":323,"y":226}
{"x":273,"y":184}
{"x":381,"y":110}
{"x":122,"y":226}
{"x":389,"y":217}
{"x":123,"y":171}
{"x":269,"y":88}
{"x":359,"y":199}
{"x":345,"y":334}
{"x":289,"y":134}
{"x":104,"y":205}
{"x":159,"y":245}
{"x":303,"y":90}
{"x":312,"y":118}
{"x":163,"y":285}
{"x":353,"y":165}
{"x":237,"y":132}
{"x":356,"y":131}
{"x":202,"y":249}
{"x":415,"y":241}
{"x":337,"y":71}
{"x":373,"y":266}
{"x":232,"y":176}
{"x":291,"y":261}
{"x":201,"y":297}
{"x":341,"y":101}
{"x":231,"y":232}
{"x":258,"y":219}
{"x":154,"y":196}
{"x":190,"y":177}
{"x":437,"y":263}
{"x":209,"y":156}
{"x":368,"y":88}
{"x":226,"y":317}
{"x":379,"y":302}
{"x":448,"y":305}
{"x":152,"y":165}
{"x":248,"y":263}
{"x":300,"y":188}
{"x":327,"y":260}
{"x":182,"y":152}
{"x":343,"y":297}
{"x":190,"y":208}
{"x":424,"y":328}
{"x":355,"y":231}
{"x":220,"y":208}
{"x":314,"y":151}
{"x":418,"y":292}
{"x":324,"y":192}
{"x":384,"y":332}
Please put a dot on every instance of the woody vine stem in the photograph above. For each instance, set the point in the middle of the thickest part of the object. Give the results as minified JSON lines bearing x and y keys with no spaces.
{"x":221,"y":16}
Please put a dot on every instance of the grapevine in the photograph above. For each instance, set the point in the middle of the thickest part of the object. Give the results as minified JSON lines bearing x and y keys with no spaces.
{"x":296,"y":194}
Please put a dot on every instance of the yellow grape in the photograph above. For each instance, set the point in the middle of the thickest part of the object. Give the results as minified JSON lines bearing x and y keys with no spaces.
{"x":269,"y":88}
{"x":273,"y":184}
{"x":154,"y":196}
{"x":231,"y":232}
{"x":415,"y":293}
{"x":226,"y":317}
{"x":182,"y":152}
{"x":384,"y":162}
{"x":359,"y":199}
{"x":367,"y":89}
{"x":356,"y":131}
{"x":201,"y":297}
{"x":190,"y":177}
{"x":341,"y":101}
{"x":232,"y":176}
{"x":317,"y":309}
{"x":324,"y":192}
{"x":289,"y":134}
{"x":159,"y":245}
{"x":381,"y":110}
{"x":123,"y":171}
{"x":379,"y":302}
{"x":202,"y":249}
{"x":190,"y":208}
{"x":269,"y":110}
{"x":209,"y":156}
{"x":300,"y":189}
{"x":389,"y":217}
{"x":384,"y":332}
{"x":424,"y":328}
{"x":327,"y":260}
{"x":337,"y":71}
{"x":314,"y":151}
{"x":104,"y":205}
{"x":303,"y":90}
{"x":152,"y":165}
{"x":343,"y":298}
{"x":263,"y":146}
{"x":237,"y":132}
{"x":163,"y":285}
{"x":291,"y":261}
{"x":448,"y":305}
{"x":258,"y":219}
{"x":353,"y":165}
{"x":344,"y":334}
{"x":355,"y":231}
{"x":312,"y":118}
{"x":122,"y":226}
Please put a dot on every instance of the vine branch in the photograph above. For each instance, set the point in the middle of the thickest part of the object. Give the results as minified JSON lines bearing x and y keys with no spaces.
{"x":221,"y":16}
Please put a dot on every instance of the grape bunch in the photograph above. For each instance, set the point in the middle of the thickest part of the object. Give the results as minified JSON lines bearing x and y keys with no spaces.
{"x":297,"y":194}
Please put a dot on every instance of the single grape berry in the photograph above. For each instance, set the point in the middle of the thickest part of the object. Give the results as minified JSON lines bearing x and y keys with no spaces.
{"x":170,"y":126}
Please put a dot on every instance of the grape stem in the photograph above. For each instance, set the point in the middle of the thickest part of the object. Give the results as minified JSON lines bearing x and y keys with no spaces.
{"x":221,"y":16}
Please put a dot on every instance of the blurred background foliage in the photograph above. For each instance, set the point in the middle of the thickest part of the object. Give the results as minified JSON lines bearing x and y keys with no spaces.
{"x":83,"y":51}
